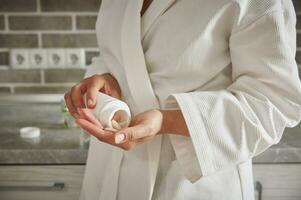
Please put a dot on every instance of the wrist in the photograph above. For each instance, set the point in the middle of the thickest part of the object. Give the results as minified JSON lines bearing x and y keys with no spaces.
{"x":163,"y":124}
{"x":173,"y":122}
{"x":168,"y":121}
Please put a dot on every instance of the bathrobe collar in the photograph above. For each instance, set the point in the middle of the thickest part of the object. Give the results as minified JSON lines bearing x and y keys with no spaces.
{"x":156,"y":8}
{"x":133,"y":30}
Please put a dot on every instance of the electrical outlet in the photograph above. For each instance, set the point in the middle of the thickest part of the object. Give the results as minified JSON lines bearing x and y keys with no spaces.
{"x":19,"y":58}
{"x":38,"y":58}
{"x":75,"y":58}
{"x":56,"y":58}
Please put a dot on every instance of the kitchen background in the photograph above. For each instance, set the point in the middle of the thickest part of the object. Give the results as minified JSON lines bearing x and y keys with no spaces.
{"x":52,"y":165}
{"x":45,"y":24}
{"x":53,"y":24}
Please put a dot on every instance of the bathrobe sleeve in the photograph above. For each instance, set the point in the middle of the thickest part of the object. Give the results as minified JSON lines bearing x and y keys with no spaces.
{"x":230,"y":126}
{"x":96,"y":67}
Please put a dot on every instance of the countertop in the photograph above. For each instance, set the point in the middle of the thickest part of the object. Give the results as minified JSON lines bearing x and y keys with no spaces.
{"x":58,"y":145}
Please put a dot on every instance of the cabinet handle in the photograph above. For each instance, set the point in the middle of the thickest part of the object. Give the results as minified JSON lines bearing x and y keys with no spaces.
{"x":258,"y":188}
{"x":56,"y":186}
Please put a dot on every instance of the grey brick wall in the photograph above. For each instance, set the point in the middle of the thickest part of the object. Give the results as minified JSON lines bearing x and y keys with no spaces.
{"x":45,"y":24}
{"x":55,"y":24}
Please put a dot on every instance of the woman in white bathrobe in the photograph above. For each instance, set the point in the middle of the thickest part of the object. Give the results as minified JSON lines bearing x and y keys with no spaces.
{"x":210,"y":84}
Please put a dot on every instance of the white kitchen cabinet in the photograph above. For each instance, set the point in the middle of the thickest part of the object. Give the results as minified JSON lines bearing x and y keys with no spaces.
{"x":47,"y":182}
{"x":63,"y":182}
{"x":278,"y":181}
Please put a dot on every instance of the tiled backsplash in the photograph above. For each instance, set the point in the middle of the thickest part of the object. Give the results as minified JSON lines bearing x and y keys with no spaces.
{"x":45,"y":24}
{"x":54,"y":24}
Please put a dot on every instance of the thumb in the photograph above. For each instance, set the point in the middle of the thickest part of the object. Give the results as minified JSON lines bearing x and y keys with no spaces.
{"x":131,"y":134}
{"x":91,"y":96}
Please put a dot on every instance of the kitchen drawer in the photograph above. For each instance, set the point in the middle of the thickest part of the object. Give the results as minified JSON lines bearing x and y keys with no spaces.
{"x":278,"y":181}
{"x":40,"y":182}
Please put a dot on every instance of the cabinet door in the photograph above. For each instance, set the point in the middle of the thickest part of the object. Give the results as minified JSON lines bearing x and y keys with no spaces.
{"x":40,"y":182}
{"x":278,"y":181}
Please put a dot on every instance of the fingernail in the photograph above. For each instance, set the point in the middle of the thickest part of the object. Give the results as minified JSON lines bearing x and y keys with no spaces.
{"x":90,"y":102}
{"x":119,"y":138}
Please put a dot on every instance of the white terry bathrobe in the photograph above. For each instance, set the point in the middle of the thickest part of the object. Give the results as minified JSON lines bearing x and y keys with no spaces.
{"x":229,"y":65}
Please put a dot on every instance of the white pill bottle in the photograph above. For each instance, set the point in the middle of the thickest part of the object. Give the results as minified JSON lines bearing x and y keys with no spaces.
{"x":112,"y":113}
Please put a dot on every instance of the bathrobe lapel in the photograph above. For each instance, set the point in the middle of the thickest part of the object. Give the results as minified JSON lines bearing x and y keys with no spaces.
{"x":111,"y":179}
{"x":157,"y":8}
{"x":135,"y":67}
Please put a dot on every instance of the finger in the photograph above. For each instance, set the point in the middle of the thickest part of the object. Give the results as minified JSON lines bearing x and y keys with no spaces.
{"x":77,"y":96}
{"x":92,"y":90}
{"x":114,"y":89}
{"x":70,"y":105}
{"x":105,"y":136}
{"x":87,"y":114}
{"x":115,"y":94}
{"x":131,"y":134}
{"x":126,"y":145}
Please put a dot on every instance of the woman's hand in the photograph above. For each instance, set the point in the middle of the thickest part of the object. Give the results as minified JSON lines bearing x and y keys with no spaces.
{"x":143,"y":127}
{"x":104,"y":83}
